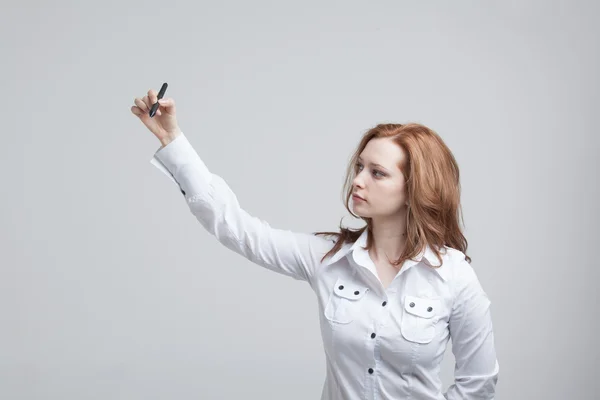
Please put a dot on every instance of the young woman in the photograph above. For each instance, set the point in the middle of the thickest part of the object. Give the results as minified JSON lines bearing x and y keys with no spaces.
{"x":392,"y":294}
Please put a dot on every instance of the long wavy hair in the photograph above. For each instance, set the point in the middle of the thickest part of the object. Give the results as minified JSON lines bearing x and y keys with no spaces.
{"x":434,"y":212}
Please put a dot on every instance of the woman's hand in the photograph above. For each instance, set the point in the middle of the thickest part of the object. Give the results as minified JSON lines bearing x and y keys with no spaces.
{"x":164,"y":123}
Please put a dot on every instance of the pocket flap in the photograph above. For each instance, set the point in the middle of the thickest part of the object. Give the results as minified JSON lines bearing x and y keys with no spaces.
{"x":349,"y":290}
{"x":420,"y":306}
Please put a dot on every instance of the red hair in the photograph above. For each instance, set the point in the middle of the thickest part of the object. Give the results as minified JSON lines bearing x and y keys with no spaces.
{"x":433,"y":192}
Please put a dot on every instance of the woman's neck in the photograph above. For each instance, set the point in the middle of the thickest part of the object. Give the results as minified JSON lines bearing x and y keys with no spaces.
{"x":389,"y":238}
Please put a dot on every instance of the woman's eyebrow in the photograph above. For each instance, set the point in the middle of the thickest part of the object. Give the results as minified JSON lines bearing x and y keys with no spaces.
{"x":372,"y":163}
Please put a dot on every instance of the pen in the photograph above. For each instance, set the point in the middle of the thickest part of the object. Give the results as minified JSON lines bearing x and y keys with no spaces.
{"x":161,"y":93}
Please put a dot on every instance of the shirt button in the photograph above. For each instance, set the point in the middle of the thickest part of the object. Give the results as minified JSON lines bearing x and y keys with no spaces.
{"x":384,"y":303}
{"x":341,"y":287}
{"x":412,"y":304}
{"x":182,"y":191}
{"x":373,"y":335}
{"x":356,"y":292}
{"x":370,"y":370}
{"x":429,"y":309}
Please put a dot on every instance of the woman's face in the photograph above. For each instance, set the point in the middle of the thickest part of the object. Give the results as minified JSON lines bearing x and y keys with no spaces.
{"x":379,"y":180}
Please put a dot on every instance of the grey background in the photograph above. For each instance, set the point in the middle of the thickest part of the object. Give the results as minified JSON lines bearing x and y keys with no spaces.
{"x":110,"y":289}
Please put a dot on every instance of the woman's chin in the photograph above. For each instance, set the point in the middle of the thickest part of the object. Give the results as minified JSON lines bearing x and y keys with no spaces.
{"x":360,"y":211}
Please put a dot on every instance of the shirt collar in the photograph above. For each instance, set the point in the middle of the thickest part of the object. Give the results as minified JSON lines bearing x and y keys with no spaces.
{"x":428,"y":253}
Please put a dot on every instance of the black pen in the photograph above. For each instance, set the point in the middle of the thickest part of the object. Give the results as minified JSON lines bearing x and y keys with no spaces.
{"x":161,"y":93}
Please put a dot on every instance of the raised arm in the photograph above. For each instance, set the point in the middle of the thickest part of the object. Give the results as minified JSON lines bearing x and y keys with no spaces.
{"x":216,"y":207}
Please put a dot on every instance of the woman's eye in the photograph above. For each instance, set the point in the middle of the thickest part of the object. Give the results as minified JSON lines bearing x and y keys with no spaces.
{"x":375,"y":172}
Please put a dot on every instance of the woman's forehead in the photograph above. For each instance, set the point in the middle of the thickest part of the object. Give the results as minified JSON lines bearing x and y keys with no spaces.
{"x":382,"y":151}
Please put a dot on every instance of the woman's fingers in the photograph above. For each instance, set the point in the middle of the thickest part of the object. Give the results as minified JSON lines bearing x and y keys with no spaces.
{"x":141,"y":104}
{"x":136,"y":110}
{"x":144,"y":104}
{"x":146,"y":101}
{"x":152,"y":96}
{"x":139,"y":111}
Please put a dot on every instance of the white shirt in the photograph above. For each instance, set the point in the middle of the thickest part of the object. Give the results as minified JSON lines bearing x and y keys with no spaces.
{"x":379,"y":343}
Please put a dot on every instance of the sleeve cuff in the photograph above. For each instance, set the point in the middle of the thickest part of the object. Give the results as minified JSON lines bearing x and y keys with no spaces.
{"x":179,"y":153}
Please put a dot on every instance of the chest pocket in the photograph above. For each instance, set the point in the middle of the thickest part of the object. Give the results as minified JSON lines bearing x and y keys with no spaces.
{"x":419,"y":318}
{"x":345,"y":301}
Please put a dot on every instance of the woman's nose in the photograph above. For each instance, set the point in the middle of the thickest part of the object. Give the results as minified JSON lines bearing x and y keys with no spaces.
{"x":357,"y":183}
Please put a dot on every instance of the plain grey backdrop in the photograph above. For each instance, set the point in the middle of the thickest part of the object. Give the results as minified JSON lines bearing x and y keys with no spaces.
{"x":109,"y":287}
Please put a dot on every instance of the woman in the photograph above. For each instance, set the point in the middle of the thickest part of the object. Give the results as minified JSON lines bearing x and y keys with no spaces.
{"x":391,"y":294}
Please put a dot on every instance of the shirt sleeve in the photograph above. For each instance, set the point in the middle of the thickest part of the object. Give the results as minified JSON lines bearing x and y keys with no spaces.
{"x":476,"y":369}
{"x":215,"y":206}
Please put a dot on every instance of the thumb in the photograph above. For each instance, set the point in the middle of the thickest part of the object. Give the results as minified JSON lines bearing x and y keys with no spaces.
{"x":168,"y":104}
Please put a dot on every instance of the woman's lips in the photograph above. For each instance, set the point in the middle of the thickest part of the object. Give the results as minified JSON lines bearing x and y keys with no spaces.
{"x":357,"y":198}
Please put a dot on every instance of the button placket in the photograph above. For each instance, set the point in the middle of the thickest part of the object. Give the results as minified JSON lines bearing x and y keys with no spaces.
{"x":379,"y":321}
